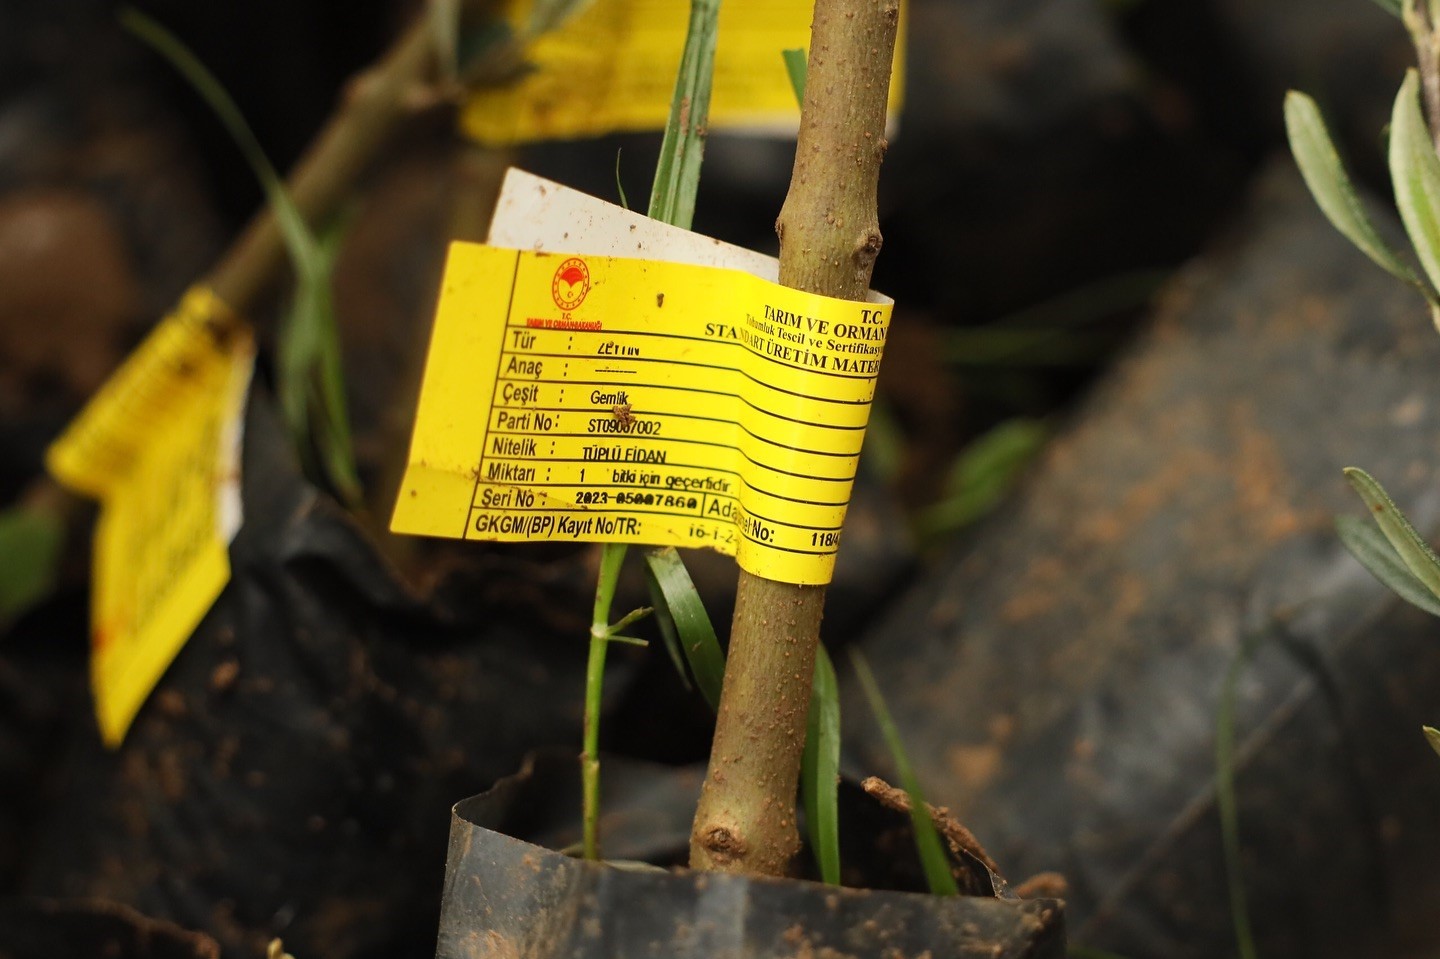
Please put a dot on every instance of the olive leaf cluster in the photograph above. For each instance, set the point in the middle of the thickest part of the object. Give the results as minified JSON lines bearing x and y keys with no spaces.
{"x":1414,"y":171}
{"x":1391,"y":549}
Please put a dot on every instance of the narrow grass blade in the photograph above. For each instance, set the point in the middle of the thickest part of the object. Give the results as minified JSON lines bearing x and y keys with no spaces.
{"x":883,"y":455}
{"x":30,"y":548}
{"x":820,"y":769}
{"x":619,"y":184}
{"x":927,"y":839}
{"x":798,"y":69}
{"x":677,"y":175}
{"x":1227,"y":805}
{"x":1367,"y":544}
{"x":681,"y":615}
{"x":1417,"y":555}
{"x":292,"y":225}
{"x":678,"y":602}
{"x":1325,"y":175}
{"x":1432,"y":736}
{"x":1389,"y":6}
{"x":311,"y":383}
{"x":668,"y":631}
{"x":1415,"y":174}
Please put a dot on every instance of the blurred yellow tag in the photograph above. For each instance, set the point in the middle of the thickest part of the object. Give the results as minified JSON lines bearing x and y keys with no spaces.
{"x":603,"y":399}
{"x":159,"y":446}
{"x":611,"y":68}
{"x":100,"y":446}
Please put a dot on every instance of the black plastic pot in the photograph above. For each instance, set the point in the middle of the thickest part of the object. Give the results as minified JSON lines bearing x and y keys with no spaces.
{"x":507,"y":898}
{"x":290,"y":775}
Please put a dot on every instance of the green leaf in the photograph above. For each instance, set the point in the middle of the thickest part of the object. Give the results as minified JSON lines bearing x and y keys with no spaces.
{"x":1227,"y":804}
{"x":1325,"y":175}
{"x":927,"y":839}
{"x":1390,"y":6}
{"x":883,"y":454}
{"x":1367,"y":544}
{"x":820,"y":769}
{"x":1417,"y":555}
{"x":291,"y":223}
{"x":619,"y":185}
{"x":668,"y":632}
{"x":983,"y":473}
{"x":1415,"y":174}
{"x":310,"y":381}
{"x":798,"y":69}
{"x":31,"y":542}
{"x":678,"y":603}
{"x":634,"y":616}
{"x":1432,"y":736}
{"x":677,"y":174}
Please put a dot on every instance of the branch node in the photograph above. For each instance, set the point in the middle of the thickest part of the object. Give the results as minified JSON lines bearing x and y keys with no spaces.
{"x":724,"y":845}
{"x":867,"y":248}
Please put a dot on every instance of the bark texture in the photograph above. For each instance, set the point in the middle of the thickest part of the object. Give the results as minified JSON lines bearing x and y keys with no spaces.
{"x":829,"y":239}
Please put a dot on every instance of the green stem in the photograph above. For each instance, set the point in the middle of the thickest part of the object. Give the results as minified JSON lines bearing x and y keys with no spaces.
{"x":1228,"y":807}
{"x":672,"y":201}
{"x":612,"y":556}
{"x":590,"y":758}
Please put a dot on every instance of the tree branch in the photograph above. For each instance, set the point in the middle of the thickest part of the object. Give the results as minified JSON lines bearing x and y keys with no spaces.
{"x":829,"y":238}
{"x":1420,"y":23}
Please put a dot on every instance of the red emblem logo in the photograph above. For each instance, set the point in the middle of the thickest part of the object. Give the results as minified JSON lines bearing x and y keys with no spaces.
{"x":571,"y":283}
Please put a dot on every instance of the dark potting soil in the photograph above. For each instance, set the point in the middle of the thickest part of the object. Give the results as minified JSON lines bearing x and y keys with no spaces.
{"x":45,"y":928}
{"x":505,"y":896}
{"x":292,"y":773}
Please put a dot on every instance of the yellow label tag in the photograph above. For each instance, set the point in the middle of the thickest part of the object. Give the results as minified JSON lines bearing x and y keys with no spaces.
{"x":159,"y":446}
{"x":100,"y":446}
{"x":591,"y":398}
{"x":612,"y":68}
